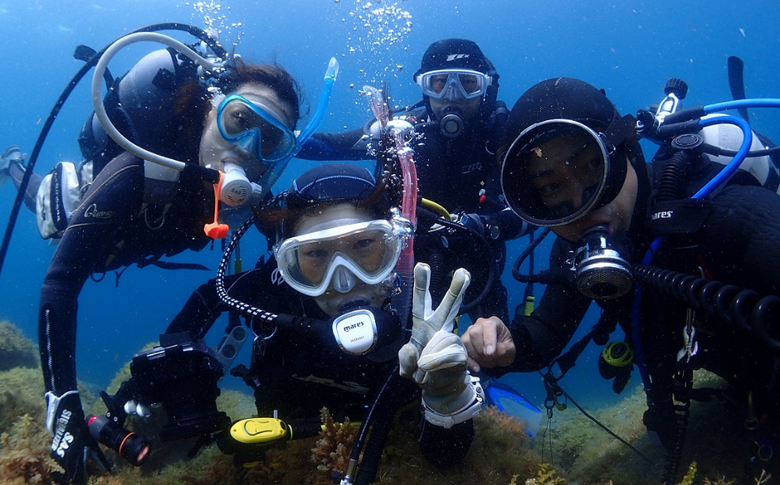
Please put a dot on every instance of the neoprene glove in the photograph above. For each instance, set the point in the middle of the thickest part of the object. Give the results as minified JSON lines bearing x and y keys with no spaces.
{"x":435,"y":358}
{"x":72,"y":446}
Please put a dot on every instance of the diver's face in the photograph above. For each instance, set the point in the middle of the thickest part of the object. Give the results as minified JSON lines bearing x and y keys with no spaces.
{"x":616,"y":214}
{"x":313,"y":260}
{"x":566,"y":171}
{"x":215,"y":151}
{"x":452,"y":101}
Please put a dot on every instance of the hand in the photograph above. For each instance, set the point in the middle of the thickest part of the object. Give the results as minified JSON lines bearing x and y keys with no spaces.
{"x":72,"y":446}
{"x":425,"y":323}
{"x":472,"y":221}
{"x":489,"y":344}
{"x":435,"y":358}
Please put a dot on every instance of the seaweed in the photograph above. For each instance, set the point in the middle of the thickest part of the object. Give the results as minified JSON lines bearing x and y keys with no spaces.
{"x":16,"y":350}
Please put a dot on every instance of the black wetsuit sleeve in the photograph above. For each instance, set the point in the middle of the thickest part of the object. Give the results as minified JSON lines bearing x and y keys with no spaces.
{"x":112,"y":201}
{"x":336,"y":146}
{"x":542,"y":336}
{"x":204,"y":305}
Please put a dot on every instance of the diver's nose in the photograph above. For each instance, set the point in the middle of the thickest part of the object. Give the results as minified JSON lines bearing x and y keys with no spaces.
{"x":343,"y":280}
{"x":452,"y":94}
{"x":249,"y":145}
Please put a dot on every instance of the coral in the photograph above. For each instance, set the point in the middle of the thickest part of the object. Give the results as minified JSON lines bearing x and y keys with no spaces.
{"x":722,"y":481}
{"x":545,"y":476}
{"x":16,"y":350}
{"x":331,"y":452}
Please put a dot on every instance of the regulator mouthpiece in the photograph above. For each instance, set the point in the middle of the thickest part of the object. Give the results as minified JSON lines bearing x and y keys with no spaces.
{"x":236,"y":187}
{"x":451,"y":125}
{"x":600,"y":272}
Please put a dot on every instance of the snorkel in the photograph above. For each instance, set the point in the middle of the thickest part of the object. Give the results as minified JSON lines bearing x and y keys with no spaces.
{"x":398,"y":130}
{"x":273,"y":173}
{"x":237,"y":189}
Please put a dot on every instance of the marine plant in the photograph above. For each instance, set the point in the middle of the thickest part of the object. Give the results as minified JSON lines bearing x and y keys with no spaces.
{"x":545,"y":476}
{"x":16,"y":350}
{"x":24,"y":453}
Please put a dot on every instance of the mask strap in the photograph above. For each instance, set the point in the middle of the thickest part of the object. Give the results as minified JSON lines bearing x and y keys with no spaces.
{"x":620,"y":131}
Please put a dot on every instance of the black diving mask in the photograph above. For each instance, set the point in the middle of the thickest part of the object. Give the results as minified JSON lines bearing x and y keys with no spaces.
{"x":557,"y":171}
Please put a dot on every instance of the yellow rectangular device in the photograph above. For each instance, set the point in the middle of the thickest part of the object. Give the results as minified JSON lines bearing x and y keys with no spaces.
{"x":259,"y":430}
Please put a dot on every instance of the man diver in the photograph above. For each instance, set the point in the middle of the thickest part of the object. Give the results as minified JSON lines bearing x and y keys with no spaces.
{"x":573,"y":164}
{"x":458,"y":126}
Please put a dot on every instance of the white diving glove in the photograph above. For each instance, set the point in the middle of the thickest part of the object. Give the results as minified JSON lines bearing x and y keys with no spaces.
{"x":435,"y":358}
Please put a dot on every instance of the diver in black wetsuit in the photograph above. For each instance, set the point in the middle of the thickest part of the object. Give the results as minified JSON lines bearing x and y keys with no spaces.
{"x":337,"y":249}
{"x":572,"y":163}
{"x":117,"y":224}
{"x":459,"y":125}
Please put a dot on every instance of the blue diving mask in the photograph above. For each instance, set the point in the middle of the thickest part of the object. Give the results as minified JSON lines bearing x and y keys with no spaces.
{"x":255,"y":128}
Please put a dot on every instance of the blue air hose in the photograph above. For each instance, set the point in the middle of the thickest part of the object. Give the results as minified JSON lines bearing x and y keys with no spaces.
{"x":720,"y":178}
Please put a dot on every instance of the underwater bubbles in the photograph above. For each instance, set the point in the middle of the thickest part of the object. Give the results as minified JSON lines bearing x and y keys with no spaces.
{"x":215,"y":20}
{"x":379,"y":29}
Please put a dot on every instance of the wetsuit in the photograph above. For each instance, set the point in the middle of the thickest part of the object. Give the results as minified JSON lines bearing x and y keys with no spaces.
{"x":736,"y":244}
{"x":112,"y":228}
{"x":298,"y":373}
{"x":115,"y":224}
{"x":458,"y":173}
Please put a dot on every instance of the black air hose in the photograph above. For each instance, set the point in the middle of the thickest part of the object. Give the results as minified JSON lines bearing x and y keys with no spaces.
{"x":745,"y":309}
{"x":671,"y":187}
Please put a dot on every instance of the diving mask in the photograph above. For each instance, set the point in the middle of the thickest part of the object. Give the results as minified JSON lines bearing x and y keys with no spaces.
{"x":254,"y":128}
{"x":557,"y":171}
{"x":339,"y":255}
{"x":454,"y":84}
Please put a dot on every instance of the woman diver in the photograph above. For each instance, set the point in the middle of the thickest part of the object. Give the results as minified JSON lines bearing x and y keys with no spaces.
{"x":338,"y":243}
{"x":240,"y":119}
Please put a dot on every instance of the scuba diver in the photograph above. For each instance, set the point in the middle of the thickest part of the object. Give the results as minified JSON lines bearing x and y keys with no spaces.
{"x":238,"y":118}
{"x":458,"y":126}
{"x":339,"y":239}
{"x":573,"y":164}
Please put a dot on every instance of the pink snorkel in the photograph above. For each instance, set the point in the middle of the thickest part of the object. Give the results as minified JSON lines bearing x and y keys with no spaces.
{"x":398,"y":130}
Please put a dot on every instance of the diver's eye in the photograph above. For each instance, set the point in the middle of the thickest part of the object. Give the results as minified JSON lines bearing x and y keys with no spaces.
{"x":469,"y":82}
{"x":595,"y":163}
{"x":238,"y":120}
{"x":317,"y":254}
{"x":364,"y":243}
{"x":549,"y":190}
{"x":438,"y":82}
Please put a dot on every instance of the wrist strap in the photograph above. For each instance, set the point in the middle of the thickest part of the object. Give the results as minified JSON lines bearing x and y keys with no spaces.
{"x":53,"y":402}
{"x":462,"y":415}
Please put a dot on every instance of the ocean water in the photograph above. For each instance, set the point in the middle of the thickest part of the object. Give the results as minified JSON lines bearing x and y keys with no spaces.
{"x":629,"y":49}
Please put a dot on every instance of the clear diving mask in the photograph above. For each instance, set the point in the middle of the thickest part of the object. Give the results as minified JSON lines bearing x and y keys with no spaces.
{"x":340,"y":254}
{"x":454,"y":84}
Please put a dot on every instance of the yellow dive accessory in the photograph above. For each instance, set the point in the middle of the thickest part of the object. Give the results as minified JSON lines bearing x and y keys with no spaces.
{"x":254,"y":431}
{"x":618,"y":354}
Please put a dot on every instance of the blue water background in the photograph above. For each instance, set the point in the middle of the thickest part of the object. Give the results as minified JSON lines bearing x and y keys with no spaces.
{"x":627,"y":48}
